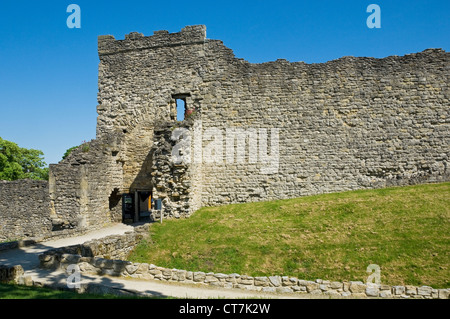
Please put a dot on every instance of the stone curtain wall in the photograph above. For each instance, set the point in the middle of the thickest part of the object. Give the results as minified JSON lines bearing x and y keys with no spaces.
{"x":346,"y":124}
{"x":24,"y":210}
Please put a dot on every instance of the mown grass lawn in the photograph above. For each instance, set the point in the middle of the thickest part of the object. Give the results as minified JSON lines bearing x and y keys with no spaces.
{"x":404,"y":230}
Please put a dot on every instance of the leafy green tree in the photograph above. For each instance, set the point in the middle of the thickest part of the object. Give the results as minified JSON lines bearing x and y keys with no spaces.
{"x":20,"y":163}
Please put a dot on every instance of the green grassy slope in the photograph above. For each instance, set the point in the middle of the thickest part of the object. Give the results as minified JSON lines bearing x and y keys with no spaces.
{"x":404,"y":230}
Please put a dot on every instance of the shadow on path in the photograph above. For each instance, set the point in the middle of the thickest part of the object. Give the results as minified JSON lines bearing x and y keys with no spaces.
{"x":28,"y":258}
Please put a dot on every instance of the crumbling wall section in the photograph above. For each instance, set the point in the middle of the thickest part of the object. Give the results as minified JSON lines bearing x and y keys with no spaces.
{"x":85,"y":188}
{"x":175,"y":173}
{"x":167,"y":175}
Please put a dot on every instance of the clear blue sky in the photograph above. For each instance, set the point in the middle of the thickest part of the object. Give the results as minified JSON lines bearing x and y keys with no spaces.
{"x":48,"y":72}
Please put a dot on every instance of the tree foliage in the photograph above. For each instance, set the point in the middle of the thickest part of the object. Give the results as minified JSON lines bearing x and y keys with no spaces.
{"x":20,"y":163}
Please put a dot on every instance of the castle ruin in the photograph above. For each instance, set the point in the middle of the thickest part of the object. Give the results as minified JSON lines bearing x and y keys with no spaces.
{"x":182,"y":123}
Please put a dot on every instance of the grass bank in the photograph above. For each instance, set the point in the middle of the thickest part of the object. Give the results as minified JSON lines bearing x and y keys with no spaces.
{"x":404,"y":230}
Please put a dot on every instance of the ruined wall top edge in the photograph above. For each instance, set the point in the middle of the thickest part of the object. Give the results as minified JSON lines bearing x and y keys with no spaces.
{"x":196,"y":34}
{"x":107,"y":44}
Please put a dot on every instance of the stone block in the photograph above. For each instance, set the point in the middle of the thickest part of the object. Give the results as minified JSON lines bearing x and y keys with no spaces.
{"x":332,"y":293}
{"x":25,"y":280}
{"x":142,"y":268}
{"x":131,"y":269}
{"x":411,"y":290}
{"x":246,"y":280}
{"x":269,"y":289}
{"x":153,"y":271}
{"x":398,"y":290}
{"x":262,"y":281}
{"x":284,"y":289}
{"x":372,"y":290}
{"x":221,"y":277}
{"x":288,"y":281}
{"x":87,"y":268}
{"x":209,"y":278}
{"x":217,"y":283}
{"x":166,"y":274}
{"x":315,"y":292}
{"x":444,"y":293}
{"x":70,"y":259}
{"x":11,"y":273}
{"x":275,"y":281}
{"x":323,"y":287}
{"x":424,"y":291}
{"x":199,"y":276}
{"x":336,"y":285}
{"x":312,"y":286}
{"x":357,"y":287}
{"x":181,"y":275}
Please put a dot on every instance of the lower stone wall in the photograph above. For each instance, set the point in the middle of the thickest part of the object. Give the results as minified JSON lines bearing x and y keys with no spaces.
{"x":110,"y":247}
{"x":24,"y":210}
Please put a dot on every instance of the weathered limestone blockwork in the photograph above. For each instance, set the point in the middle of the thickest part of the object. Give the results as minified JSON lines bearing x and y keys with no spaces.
{"x":24,"y":210}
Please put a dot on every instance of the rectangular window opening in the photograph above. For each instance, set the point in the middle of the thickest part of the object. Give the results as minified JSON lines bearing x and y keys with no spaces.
{"x":181,"y":109}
